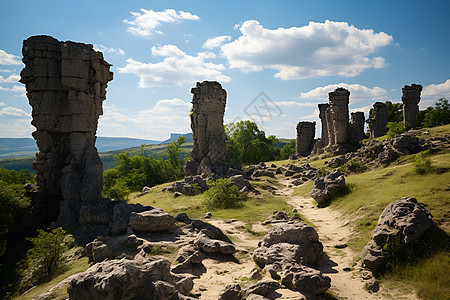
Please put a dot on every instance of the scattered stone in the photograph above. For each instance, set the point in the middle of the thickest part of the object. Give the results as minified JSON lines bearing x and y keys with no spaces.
{"x":372,"y":285}
{"x":263,"y":287}
{"x":326,"y":187}
{"x":183,"y":218}
{"x":231,"y":292}
{"x":341,"y":246}
{"x":207,"y":215}
{"x":205,"y":241}
{"x":405,"y":220}
{"x":255,"y":274}
{"x":259,"y":173}
{"x":177,"y":194}
{"x":151,"y":221}
{"x":305,"y":279}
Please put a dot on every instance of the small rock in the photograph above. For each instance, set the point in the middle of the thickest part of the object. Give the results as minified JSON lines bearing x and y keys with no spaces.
{"x":177,"y":194}
{"x":207,"y":215}
{"x":341,"y":246}
{"x":372,"y":285}
{"x":254,"y":274}
{"x":231,"y":292}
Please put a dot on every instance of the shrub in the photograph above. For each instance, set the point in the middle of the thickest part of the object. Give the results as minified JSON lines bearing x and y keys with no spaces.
{"x":395,"y":128}
{"x":422,"y":162}
{"x":46,"y":253}
{"x":355,"y":166}
{"x":222,"y":194}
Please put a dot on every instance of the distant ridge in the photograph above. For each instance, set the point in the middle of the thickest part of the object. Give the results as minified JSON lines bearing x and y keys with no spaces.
{"x":175,"y":136}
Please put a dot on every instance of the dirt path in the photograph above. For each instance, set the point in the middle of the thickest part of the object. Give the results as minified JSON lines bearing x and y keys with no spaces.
{"x":337,"y":263}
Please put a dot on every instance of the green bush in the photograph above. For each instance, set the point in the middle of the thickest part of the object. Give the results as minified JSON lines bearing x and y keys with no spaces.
{"x":422,"y":162}
{"x":222,"y":194}
{"x":395,"y":128}
{"x":46,"y":254}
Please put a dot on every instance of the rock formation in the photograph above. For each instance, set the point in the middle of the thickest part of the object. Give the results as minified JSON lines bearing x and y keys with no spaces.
{"x":337,"y":116}
{"x":356,"y":128}
{"x":322,"y":115}
{"x":326,"y":187}
{"x":305,"y":137}
{"x":378,"y":118}
{"x":404,"y":220}
{"x":209,"y":150}
{"x":411,"y":99}
{"x":66,"y":85}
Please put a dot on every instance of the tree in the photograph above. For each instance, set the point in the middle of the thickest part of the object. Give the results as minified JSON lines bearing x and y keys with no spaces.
{"x":437,"y":115}
{"x":287,"y":150}
{"x":395,"y":111}
{"x":173,"y":153}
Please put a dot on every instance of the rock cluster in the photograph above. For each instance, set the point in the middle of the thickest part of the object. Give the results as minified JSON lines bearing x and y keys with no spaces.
{"x":288,"y":252}
{"x":209,"y":150}
{"x":66,"y":85}
{"x":305,"y":137}
{"x":326,"y":187}
{"x":378,"y":118}
{"x":403,"y":220}
{"x":411,"y":99}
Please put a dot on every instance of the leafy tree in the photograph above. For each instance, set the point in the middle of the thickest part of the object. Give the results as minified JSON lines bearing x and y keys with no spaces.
{"x":395,"y":111}
{"x":437,"y":115}
{"x":247,"y":144}
{"x":173,"y":153}
{"x":287,"y":150}
{"x":46,"y":253}
{"x":395,"y":128}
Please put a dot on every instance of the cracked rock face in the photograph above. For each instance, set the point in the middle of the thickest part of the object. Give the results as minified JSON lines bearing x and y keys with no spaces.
{"x":209,"y":150}
{"x":378,"y":118}
{"x":305,"y":137}
{"x":66,"y":86}
{"x":404,"y":219}
{"x":411,"y":99}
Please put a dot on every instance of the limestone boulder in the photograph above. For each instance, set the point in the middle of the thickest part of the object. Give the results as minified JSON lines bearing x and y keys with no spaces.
{"x":296,"y":233}
{"x":205,"y":241}
{"x":326,"y":187}
{"x":231,"y":292}
{"x":305,"y":280}
{"x":263,"y":287}
{"x":405,"y":220}
{"x":121,"y":215}
{"x":306,"y":253}
{"x":151,"y":221}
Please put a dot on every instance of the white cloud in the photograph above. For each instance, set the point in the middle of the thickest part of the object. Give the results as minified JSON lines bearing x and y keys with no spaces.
{"x":315,"y":50}
{"x":108,"y":50}
{"x":2,"y":104}
{"x":364,"y":109}
{"x":216,"y":42}
{"x":10,"y":78}
{"x":177,"y":68}
{"x":5,"y":71}
{"x":9,"y":59}
{"x":295,"y":103}
{"x":20,"y":89}
{"x":145,"y":22}
{"x":13,"y":111}
{"x":436,"y":91}
{"x":357,"y":92}
{"x":168,"y":115}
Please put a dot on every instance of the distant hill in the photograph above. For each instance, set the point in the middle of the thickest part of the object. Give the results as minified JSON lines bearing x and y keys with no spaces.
{"x":175,"y":136}
{"x":24,"y":147}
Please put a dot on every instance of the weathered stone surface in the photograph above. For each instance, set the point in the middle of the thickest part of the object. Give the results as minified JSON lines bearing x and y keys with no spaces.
{"x":263,"y":287}
{"x":327,"y":186}
{"x":305,"y":253}
{"x":121,"y":215}
{"x":323,"y":120}
{"x":209,"y":150}
{"x":205,"y":241}
{"x":305,"y":279}
{"x":231,"y":292}
{"x":306,"y":132}
{"x":126,"y":279}
{"x":337,"y":116}
{"x":264,"y":172}
{"x":411,"y":99}
{"x":405,"y":220}
{"x":66,"y":85}
{"x":378,"y":118}
{"x":151,"y":221}
{"x":189,"y":259}
{"x":356,"y":128}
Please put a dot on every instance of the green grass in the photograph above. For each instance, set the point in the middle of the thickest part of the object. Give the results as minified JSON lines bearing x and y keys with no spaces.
{"x":254,"y":209}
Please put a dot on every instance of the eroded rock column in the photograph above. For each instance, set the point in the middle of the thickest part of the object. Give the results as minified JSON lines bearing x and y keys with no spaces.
{"x":337,"y":116}
{"x":323,"y":121}
{"x":209,"y":150}
{"x":356,"y":128}
{"x":378,"y":117}
{"x":305,"y":137}
{"x":411,"y":99}
{"x":66,"y":85}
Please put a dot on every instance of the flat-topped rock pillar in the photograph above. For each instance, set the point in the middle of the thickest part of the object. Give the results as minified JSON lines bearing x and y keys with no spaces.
{"x":305,"y":137}
{"x":356,"y":128}
{"x":323,"y":122}
{"x":378,"y":117}
{"x":337,"y":116}
{"x":66,"y":85}
{"x":208,"y":108}
{"x":411,"y":99}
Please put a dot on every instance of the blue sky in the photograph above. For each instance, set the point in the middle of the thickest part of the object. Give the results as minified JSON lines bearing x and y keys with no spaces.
{"x":276,"y":59}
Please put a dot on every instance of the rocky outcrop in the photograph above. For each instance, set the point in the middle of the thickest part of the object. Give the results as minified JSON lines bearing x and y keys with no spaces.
{"x":306,"y":132}
{"x":288,"y":252}
{"x":207,"y":242}
{"x":209,"y":151}
{"x":411,"y":99}
{"x":323,"y":122}
{"x":378,"y":118}
{"x":66,"y":86}
{"x":129,"y":279}
{"x":404,"y":220}
{"x":231,"y":292}
{"x":151,"y":220}
{"x":326,"y":187}
{"x":337,"y":116}
{"x":356,"y":128}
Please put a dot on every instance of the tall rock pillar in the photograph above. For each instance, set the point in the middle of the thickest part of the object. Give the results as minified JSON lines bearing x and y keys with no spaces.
{"x":356,"y":128}
{"x":411,"y":99}
{"x":337,"y":116}
{"x":209,"y":150}
{"x":66,"y":85}
{"x":378,"y":117}
{"x":323,"y":122}
{"x":305,"y":137}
